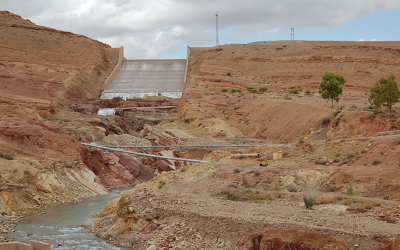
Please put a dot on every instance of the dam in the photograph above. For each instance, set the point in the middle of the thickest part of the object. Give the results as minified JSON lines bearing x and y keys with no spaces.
{"x":141,"y":78}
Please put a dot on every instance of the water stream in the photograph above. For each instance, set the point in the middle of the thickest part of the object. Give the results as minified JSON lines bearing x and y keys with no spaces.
{"x":61,"y":224}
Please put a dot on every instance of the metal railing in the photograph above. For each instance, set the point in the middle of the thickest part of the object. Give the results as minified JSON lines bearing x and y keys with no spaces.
{"x":142,"y":154}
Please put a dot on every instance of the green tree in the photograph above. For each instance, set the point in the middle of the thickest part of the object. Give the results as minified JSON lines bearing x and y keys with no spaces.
{"x":331,"y":86}
{"x":385,"y":92}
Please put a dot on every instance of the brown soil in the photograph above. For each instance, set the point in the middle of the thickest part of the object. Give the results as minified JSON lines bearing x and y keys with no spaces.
{"x":338,"y":156}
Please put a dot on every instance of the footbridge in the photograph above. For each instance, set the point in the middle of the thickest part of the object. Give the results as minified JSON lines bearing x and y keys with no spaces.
{"x":140,"y":78}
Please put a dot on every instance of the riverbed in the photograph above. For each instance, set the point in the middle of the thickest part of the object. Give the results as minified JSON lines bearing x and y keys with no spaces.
{"x":61,"y":225}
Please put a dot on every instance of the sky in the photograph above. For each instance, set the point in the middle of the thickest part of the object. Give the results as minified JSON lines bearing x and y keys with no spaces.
{"x":161,"y":29}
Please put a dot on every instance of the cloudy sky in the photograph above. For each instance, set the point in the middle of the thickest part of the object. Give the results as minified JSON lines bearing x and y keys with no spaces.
{"x":163,"y":28}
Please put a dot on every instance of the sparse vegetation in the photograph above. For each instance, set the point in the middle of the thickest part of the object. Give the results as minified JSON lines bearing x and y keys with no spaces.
{"x":3,"y":213}
{"x":300,"y":89}
{"x":291,"y":188}
{"x":333,"y":188}
{"x":224,"y":90}
{"x":376,"y":162}
{"x":294,"y":91}
{"x":253,"y":91}
{"x":233,"y":90}
{"x":162,"y":184}
{"x":350,"y":191}
{"x":27,"y":172}
{"x":308,"y":92}
{"x":331,"y":86}
{"x":386,"y":198}
{"x":245,"y":183}
{"x":263,"y":89}
{"x":308,"y":202}
{"x":7,"y":154}
{"x":236,"y":171}
{"x":246,"y":195}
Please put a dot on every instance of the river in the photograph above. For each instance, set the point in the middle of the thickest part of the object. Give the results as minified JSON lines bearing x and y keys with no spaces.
{"x":60,"y":225}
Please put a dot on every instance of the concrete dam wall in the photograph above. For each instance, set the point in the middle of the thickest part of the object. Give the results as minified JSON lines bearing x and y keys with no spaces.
{"x":139,"y":78}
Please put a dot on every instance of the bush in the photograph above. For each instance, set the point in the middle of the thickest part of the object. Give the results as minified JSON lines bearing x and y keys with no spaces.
{"x":300,"y":90}
{"x":233,"y":90}
{"x":162,"y":184}
{"x":294,"y":91}
{"x":224,"y":90}
{"x":253,"y":91}
{"x":308,"y":92}
{"x":250,"y":87}
{"x":291,"y":188}
{"x":376,"y":162}
{"x":239,"y":90}
{"x":263,"y":89}
{"x":245,"y":183}
{"x":333,"y":188}
{"x":309,"y":202}
{"x":350,"y":191}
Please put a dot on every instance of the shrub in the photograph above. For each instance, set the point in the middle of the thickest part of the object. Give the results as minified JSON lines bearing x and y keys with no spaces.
{"x":350,"y":191}
{"x":253,"y":90}
{"x":308,"y":92}
{"x":224,"y":90}
{"x":376,"y":162}
{"x":256,"y":173}
{"x":233,"y":90}
{"x":3,"y":213}
{"x":263,"y":89}
{"x":162,"y":184}
{"x":309,"y":202}
{"x":386,"y":198}
{"x":333,"y":188}
{"x":294,"y":91}
{"x":231,"y":196}
{"x":291,"y":188}
{"x":15,"y":171}
{"x":27,"y":172}
{"x":245,"y":183}
{"x":300,"y":90}
{"x":236,"y":171}
{"x":239,"y":90}
{"x":250,"y":87}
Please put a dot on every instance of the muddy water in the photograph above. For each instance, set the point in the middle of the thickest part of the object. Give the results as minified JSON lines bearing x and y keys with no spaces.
{"x":61,"y":224}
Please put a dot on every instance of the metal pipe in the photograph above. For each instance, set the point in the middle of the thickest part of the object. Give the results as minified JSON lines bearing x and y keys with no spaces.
{"x":142,"y":154}
{"x":202,"y":146}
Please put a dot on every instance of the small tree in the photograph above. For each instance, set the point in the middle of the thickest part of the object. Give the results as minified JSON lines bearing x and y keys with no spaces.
{"x":385,"y":92}
{"x":331,"y":86}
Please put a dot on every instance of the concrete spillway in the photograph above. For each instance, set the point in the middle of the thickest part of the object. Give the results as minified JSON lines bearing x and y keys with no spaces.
{"x":138,"y":78}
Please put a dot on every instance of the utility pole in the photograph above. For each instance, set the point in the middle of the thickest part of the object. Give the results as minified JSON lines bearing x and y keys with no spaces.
{"x":292,"y":34}
{"x":217,"y":29}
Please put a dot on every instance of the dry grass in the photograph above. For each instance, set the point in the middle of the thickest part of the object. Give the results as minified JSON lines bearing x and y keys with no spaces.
{"x":321,"y":201}
{"x":362,"y":206}
{"x":243,"y":195}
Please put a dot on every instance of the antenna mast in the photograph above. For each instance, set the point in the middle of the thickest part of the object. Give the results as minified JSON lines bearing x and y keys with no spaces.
{"x":217,"y":29}
{"x":292,"y":34}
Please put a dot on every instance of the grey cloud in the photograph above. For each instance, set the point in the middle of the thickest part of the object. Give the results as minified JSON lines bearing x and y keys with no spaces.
{"x":149,"y":28}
